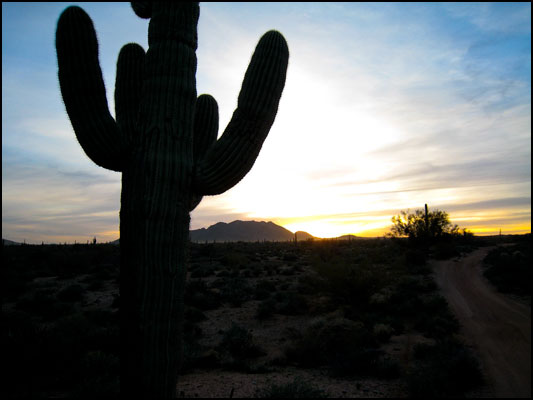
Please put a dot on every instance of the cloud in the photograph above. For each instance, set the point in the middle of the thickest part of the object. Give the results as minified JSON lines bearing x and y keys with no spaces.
{"x":384,"y":107}
{"x":505,"y":18}
{"x":47,"y":203}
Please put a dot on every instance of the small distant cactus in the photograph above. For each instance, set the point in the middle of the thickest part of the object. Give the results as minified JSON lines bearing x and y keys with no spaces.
{"x":164,"y":141}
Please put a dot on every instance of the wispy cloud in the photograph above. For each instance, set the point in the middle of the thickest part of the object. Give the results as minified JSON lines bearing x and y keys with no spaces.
{"x":386,"y":106}
{"x":47,"y":203}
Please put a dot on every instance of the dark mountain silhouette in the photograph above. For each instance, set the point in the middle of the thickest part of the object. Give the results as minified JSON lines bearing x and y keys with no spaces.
{"x":6,"y":242}
{"x":246,"y":231}
{"x":301,"y":236}
{"x":350,"y":237}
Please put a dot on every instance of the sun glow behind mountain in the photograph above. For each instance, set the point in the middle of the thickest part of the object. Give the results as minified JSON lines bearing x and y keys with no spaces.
{"x":386,"y":107}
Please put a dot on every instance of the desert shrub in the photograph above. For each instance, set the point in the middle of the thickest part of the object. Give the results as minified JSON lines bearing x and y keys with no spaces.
{"x":25,"y":349}
{"x":290,"y":257}
{"x":192,"y":350}
{"x":102,"y":272}
{"x":439,"y":326}
{"x":239,"y":342}
{"x":198,"y":295}
{"x":384,"y":367}
{"x":101,"y":317}
{"x":509,"y":269}
{"x":446,"y":369}
{"x":434,"y":317}
{"x":287,"y":271}
{"x":348,"y":282}
{"x":264,"y":289}
{"x":116,"y":301}
{"x":207,"y":250}
{"x":71,"y":293}
{"x":222,"y":273}
{"x":203,"y":271}
{"x":38,"y":303}
{"x":234,"y":260}
{"x":382,"y":332}
{"x":236,"y":291}
{"x":193,"y":314}
{"x":444,"y":250}
{"x":345,"y":346}
{"x":297,"y":389}
{"x":310,"y":284}
{"x":415,"y":256}
{"x":105,"y":339}
{"x":100,"y":373}
{"x":94,"y":285}
{"x":266,"y":308}
{"x":291,"y":303}
{"x":13,"y":286}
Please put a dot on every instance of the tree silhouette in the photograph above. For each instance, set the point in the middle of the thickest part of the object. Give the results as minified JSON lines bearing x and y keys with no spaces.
{"x":423,"y":225}
{"x":164,"y":141}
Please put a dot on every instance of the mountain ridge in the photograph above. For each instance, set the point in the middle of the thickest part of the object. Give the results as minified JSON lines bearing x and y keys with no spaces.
{"x":244,"y":231}
{"x":238,"y":231}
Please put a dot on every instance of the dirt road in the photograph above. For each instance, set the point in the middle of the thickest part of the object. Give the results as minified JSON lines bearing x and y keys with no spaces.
{"x":497,"y":326}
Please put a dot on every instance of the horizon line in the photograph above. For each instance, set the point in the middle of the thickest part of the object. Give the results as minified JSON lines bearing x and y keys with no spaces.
{"x":480,"y":232}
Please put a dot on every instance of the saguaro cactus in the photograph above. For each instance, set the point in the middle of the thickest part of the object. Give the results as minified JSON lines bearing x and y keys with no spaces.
{"x":164,"y":141}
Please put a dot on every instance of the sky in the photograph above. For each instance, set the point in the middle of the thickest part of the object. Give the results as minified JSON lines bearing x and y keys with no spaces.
{"x":386,"y":107}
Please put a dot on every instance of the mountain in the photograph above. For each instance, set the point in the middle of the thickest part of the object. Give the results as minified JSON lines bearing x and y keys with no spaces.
{"x":301,"y":236}
{"x":245,"y":231}
{"x":6,"y":242}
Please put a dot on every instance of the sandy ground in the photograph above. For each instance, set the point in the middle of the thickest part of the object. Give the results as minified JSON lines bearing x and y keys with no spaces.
{"x":498,"y":327}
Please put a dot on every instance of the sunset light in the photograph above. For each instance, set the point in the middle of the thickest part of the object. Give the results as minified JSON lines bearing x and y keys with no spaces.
{"x":386,"y":107}
{"x":266,"y":199}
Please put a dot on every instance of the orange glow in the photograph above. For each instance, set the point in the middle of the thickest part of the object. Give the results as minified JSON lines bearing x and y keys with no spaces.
{"x":324,"y":226}
{"x":484,"y":223}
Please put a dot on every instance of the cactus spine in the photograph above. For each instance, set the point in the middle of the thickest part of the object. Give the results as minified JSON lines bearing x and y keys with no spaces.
{"x":164,"y":141}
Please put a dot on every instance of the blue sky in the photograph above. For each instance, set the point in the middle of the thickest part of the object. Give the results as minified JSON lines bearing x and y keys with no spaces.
{"x":386,"y":107}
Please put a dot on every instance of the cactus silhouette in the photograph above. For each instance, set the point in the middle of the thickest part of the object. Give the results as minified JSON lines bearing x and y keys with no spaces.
{"x":164,"y":141}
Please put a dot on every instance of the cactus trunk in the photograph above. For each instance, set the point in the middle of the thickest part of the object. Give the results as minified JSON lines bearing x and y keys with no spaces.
{"x":152,"y":280}
{"x":164,"y":141}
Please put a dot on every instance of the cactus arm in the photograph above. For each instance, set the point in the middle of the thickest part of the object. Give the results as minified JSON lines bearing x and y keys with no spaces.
{"x":205,"y":133}
{"x":143,"y":9}
{"x":83,"y":90}
{"x":128,"y":86}
{"x":205,"y":125}
{"x":230,"y":158}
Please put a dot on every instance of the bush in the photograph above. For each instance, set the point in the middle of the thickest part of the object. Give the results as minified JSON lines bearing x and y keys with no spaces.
{"x":198,"y":295}
{"x":234,"y":260}
{"x":264,"y":289}
{"x":445,"y":250}
{"x":446,"y":369}
{"x":297,"y":389}
{"x":509,"y":269}
{"x":239,"y":342}
{"x":350,"y":282}
{"x":236,"y":291}
{"x":382,"y":332}
{"x":203,"y":271}
{"x":39,"y":303}
{"x":100,"y":373}
{"x":291,"y":303}
{"x":266,"y":308}
{"x":71,"y":293}
{"x":416,"y":257}
{"x":345,"y":346}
